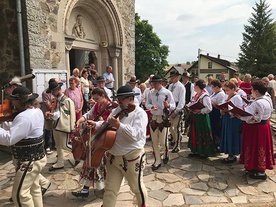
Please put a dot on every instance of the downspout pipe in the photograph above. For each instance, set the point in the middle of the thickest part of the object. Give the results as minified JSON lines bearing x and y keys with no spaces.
{"x":20,"y":38}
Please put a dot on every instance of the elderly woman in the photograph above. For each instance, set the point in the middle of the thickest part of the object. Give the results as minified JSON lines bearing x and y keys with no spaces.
{"x":257,"y":143}
{"x":200,"y":134}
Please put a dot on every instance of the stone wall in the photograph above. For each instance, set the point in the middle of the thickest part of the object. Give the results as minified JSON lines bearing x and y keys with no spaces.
{"x":127,"y":10}
{"x":9,"y":53}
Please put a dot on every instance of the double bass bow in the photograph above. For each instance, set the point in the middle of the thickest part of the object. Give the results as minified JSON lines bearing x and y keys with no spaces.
{"x":103,"y":140}
{"x":81,"y":137}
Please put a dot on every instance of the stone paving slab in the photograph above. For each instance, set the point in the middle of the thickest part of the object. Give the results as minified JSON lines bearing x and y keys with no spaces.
{"x":183,"y":181}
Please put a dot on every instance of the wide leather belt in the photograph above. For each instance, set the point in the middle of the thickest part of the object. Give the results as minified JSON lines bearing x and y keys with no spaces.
{"x":29,"y":149}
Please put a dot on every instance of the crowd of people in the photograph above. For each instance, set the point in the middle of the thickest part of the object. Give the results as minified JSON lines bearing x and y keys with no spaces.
{"x":92,"y":113}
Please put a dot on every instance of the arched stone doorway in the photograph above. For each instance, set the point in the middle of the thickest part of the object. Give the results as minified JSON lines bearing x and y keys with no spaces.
{"x":93,"y":32}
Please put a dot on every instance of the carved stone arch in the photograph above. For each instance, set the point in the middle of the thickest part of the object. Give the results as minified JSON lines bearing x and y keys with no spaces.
{"x":103,"y":13}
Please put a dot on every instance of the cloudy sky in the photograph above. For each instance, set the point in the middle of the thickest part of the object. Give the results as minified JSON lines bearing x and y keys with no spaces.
{"x":213,"y":26}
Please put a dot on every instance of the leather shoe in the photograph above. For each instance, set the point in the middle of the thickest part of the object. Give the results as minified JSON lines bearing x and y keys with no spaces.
{"x":55,"y":168}
{"x":165,"y":160}
{"x":43,"y":190}
{"x":175,"y":150}
{"x":154,"y":167}
{"x":80,"y":194}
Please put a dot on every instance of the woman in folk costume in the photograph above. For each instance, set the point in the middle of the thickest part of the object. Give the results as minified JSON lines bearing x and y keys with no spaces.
{"x":257,"y":140}
{"x":200,"y":134}
{"x":99,"y":112}
{"x":217,"y":98}
{"x":230,"y":139}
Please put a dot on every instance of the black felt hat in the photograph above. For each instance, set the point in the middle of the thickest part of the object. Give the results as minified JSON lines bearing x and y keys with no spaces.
{"x":156,"y":78}
{"x":186,"y":75}
{"x":174,"y":73}
{"x":100,"y":79}
{"x":54,"y":86}
{"x":20,"y":92}
{"x":133,"y":80}
{"x":125,"y":91}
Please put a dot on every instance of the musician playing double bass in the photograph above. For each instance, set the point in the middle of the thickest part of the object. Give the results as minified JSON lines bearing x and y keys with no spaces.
{"x":99,"y":111}
{"x":158,"y":99}
{"x":126,"y":159}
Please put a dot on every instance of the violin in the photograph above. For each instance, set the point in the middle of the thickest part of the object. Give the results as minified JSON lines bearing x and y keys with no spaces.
{"x":103,"y":140}
{"x":166,"y":115}
{"x":80,"y":138}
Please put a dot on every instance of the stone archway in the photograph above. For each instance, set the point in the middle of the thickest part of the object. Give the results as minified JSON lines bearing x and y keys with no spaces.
{"x":102,"y":33}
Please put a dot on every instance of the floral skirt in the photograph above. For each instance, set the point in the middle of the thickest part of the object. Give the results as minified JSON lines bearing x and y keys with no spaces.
{"x":257,"y":147}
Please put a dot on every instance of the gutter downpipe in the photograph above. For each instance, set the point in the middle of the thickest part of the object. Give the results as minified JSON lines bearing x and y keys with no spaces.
{"x":20,"y":38}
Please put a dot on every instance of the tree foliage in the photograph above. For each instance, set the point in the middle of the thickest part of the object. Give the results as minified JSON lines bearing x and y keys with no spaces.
{"x":150,"y":54}
{"x":258,"y":49}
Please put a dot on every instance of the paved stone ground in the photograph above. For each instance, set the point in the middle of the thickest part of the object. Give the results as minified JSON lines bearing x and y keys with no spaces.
{"x":184,"y":181}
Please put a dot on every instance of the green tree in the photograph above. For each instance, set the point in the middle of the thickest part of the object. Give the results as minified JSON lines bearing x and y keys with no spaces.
{"x":258,"y":49}
{"x":150,"y":54}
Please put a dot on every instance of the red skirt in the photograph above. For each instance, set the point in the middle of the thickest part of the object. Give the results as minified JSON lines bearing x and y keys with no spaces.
{"x":257,"y":147}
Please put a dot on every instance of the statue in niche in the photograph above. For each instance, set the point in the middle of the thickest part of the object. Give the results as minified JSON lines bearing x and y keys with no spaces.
{"x":78,"y":30}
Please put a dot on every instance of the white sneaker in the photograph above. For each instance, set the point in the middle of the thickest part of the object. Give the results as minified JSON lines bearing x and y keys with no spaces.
{"x":48,"y":151}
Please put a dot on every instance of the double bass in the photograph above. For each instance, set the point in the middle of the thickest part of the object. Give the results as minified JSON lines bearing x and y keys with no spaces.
{"x":80,"y":137}
{"x":103,"y":140}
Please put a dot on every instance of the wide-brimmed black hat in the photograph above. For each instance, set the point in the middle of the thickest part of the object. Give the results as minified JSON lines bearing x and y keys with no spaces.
{"x":156,"y":78}
{"x":174,"y":73}
{"x":11,"y":81}
{"x":186,"y":75}
{"x":54,"y":86}
{"x":21,"y":92}
{"x":100,"y":79}
{"x":132,"y":80}
{"x":125,"y":91}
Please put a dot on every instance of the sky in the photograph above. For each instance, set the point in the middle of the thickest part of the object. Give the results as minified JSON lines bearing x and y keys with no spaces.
{"x":211,"y":26}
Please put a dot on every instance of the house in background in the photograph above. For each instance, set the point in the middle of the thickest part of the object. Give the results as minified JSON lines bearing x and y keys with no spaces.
{"x":181,"y":68}
{"x":212,"y":66}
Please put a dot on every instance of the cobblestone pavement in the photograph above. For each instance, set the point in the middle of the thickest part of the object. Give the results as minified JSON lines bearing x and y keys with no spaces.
{"x":183,"y":181}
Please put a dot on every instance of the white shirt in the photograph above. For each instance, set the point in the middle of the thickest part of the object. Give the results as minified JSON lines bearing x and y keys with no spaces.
{"x":261,"y":109}
{"x":206,"y":101}
{"x":236,"y":100}
{"x":108,"y":92}
{"x":157,"y":98}
{"x":131,"y":134}
{"x":218,"y":98}
{"x":179,"y":92}
{"x":107,"y":77}
{"x":27,"y":124}
{"x":137,"y":98}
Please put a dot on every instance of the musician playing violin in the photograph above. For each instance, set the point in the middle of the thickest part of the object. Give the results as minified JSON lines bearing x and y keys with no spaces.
{"x":99,"y":111}
{"x":126,"y":159}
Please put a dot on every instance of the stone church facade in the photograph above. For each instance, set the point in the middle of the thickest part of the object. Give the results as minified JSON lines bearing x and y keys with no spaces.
{"x":64,"y":34}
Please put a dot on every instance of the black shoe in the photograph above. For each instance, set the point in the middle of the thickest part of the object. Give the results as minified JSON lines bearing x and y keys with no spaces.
{"x":43,"y":190}
{"x":193,"y":155}
{"x":154,"y":167}
{"x":11,"y":200}
{"x":165,"y":160}
{"x":175,"y":150}
{"x":76,"y":163}
{"x":229,"y":160}
{"x":258,"y":175}
{"x":80,"y":194}
{"x":55,"y":168}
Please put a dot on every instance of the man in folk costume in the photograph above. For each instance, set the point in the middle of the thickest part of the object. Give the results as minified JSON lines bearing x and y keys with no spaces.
{"x":178,"y":91}
{"x":64,"y":117}
{"x":126,"y":158}
{"x":25,"y":137}
{"x":159,"y":99}
{"x":189,"y":86}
